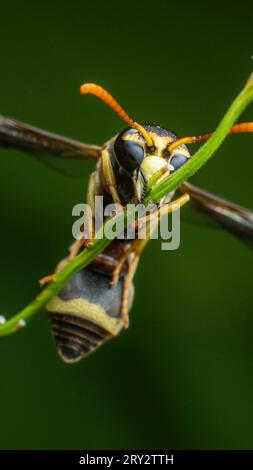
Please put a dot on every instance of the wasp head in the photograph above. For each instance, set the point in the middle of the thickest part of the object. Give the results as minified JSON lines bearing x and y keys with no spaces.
{"x":148,"y":163}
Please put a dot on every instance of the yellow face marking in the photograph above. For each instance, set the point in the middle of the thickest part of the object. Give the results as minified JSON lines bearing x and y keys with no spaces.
{"x":160,"y":143}
{"x":151,"y":165}
{"x":134,"y":137}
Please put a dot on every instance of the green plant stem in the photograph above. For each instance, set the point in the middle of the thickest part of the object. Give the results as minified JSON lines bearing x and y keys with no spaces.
{"x":83,"y":259}
{"x":209,"y":148}
{"x":158,"y":191}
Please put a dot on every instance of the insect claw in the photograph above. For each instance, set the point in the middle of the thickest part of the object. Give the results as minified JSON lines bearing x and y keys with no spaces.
{"x":125,"y":320}
{"x":88,"y":243}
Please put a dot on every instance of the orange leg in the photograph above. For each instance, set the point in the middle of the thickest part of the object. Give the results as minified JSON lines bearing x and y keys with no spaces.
{"x":108,"y":175}
{"x":75,"y":248}
{"x":117,"y":270}
{"x":126,"y":288}
{"x":137,"y":246}
{"x":47,"y":279}
{"x":86,"y":241}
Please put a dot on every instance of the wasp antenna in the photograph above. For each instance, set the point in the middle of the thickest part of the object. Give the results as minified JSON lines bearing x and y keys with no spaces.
{"x":241,"y":128}
{"x":103,"y":95}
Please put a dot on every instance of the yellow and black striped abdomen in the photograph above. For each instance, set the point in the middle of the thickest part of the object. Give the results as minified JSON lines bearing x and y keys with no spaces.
{"x":76,"y":337}
{"x":86,"y":313}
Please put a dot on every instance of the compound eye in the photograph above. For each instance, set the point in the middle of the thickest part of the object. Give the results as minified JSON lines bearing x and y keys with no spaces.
{"x":178,"y":160}
{"x":129,"y":154}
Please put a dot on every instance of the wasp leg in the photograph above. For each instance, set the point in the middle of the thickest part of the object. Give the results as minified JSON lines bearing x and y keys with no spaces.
{"x":73,"y":252}
{"x":86,"y":241}
{"x":133,"y":260}
{"x":118,"y":268}
{"x":135,"y":250}
{"x":88,"y":236}
{"x":74,"y":249}
{"x":166,"y":209}
{"x":108,"y":175}
{"x":92,"y":191}
{"x":47,"y":279}
{"x":174,"y":205}
{"x":117,"y":271}
{"x":89,"y":229}
{"x":89,"y":226}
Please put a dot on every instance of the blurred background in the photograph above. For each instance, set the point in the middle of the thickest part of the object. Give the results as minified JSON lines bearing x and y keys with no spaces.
{"x":182,"y":376}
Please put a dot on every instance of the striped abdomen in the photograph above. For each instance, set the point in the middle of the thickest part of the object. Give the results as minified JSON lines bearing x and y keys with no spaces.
{"x":86,"y":313}
{"x":75,"y":336}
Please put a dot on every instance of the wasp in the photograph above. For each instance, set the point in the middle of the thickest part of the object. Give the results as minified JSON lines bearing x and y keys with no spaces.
{"x":94,"y":304}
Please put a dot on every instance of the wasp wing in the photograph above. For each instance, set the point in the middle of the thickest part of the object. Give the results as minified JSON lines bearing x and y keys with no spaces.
{"x":232,"y":217}
{"x":43,"y":144}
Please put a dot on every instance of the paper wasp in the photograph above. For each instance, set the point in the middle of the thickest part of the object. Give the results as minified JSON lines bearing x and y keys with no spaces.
{"x":94,"y":304}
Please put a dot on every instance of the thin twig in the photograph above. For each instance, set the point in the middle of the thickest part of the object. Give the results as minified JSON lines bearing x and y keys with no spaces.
{"x":158,"y":191}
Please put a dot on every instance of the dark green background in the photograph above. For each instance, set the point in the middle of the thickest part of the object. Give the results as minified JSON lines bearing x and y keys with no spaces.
{"x":182,"y":376}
